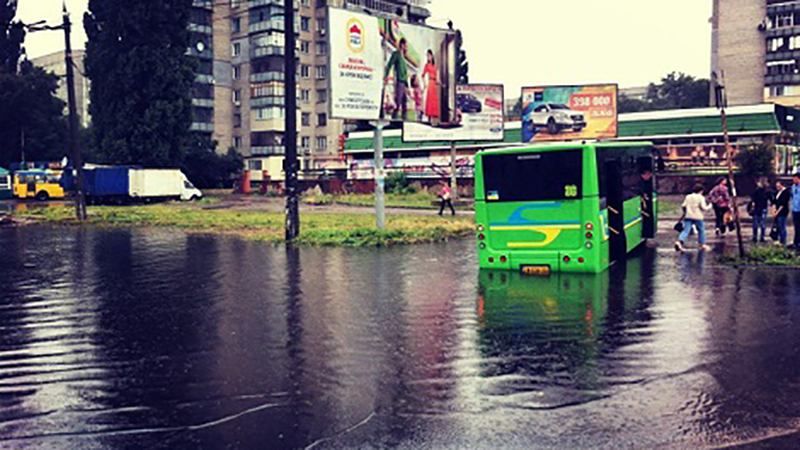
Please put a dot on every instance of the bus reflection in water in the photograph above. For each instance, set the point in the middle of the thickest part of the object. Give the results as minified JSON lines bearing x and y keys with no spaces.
{"x":553,"y":340}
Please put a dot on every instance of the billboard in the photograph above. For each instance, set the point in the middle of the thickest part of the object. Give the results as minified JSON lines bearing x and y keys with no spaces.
{"x":479,"y":117}
{"x":562,"y":113}
{"x":387,"y":69}
{"x":436,"y":166}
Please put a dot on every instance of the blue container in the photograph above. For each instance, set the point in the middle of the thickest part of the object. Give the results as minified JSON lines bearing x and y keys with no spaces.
{"x":106,"y":181}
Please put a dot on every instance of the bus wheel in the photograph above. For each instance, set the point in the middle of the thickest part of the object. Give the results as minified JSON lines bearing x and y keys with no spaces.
{"x":42,"y":196}
{"x":552,"y":126}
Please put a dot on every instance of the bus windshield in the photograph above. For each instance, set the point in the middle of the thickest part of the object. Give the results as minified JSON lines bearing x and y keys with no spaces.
{"x":542,"y":176}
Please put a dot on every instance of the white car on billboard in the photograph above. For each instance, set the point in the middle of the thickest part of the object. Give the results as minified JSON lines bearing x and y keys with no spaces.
{"x":556,"y":117}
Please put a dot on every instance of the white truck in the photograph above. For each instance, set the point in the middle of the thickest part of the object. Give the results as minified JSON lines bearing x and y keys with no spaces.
{"x":161,"y":184}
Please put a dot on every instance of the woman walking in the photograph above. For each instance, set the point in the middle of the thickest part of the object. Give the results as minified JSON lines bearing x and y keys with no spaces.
{"x":782,"y":198}
{"x":694,"y":208}
{"x":720,"y":197}
{"x":445,"y":199}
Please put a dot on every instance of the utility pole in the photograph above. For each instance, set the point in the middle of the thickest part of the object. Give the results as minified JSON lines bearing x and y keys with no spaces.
{"x":290,"y":134}
{"x":453,"y":171}
{"x":722,"y":102}
{"x":380,"y":173}
{"x":74,"y":148}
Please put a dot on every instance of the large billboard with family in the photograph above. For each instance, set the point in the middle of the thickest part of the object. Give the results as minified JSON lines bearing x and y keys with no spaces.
{"x":387,"y":69}
{"x":563,"y":113}
{"x":479,"y":117}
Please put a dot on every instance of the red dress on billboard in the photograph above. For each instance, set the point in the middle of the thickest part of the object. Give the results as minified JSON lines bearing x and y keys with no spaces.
{"x":432,"y":100}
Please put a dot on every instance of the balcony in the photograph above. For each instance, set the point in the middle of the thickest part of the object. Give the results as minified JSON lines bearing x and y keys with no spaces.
{"x":783,"y":55}
{"x":270,"y":50}
{"x":205,"y":4}
{"x":259,"y":3}
{"x":266,"y":76}
{"x":788,"y":78}
{"x":202,"y":29}
{"x":267,"y":150}
{"x":204,"y":79}
{"x":261,"y":102}
{"x":202,"y":127}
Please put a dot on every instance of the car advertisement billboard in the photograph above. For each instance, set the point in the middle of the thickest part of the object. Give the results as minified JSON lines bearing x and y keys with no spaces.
{"x":479,"y":117}
{"x":387,"y":69}
{"x":563,"y":113}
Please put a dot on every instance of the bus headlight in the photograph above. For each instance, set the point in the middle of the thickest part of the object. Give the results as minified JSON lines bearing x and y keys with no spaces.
{"x":481,"y":236}
{"x":589,"y":226}
{"x":480,"y":227}
{"x":482,"y":246}
{"x":589,"y":235}
{"x":589,"y":245}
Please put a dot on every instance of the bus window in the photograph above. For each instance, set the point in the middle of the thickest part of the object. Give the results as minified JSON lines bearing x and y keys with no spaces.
{"x":540,"y":176}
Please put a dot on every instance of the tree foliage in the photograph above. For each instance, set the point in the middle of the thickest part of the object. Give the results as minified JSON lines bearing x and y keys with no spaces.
{"x":141,"y":80}
{"x":756,"y":160}
{"x":208,"y":169}
{"x":675,"y":91}
{"x":12,"y":34}
{"x":31,"y":116}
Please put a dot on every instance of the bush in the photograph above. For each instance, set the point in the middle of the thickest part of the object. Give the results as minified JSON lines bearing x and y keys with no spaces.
{"x":207,"y":169}
{"x":756,"y":160}
{"x":397,"y":183}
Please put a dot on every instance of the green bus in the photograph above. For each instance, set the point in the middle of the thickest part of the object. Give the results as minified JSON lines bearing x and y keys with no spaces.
{"x":567,"y":207}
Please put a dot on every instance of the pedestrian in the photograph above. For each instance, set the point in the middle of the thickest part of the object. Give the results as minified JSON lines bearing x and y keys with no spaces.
{"x":782,"y":199}
{"x":694,"y":208}
{"x":445,"y":198}
{"x":712,"y":157}
{"x":646,"y":189}
{"x":759,"y":203}
{"x":720,"y":198}
{"x":796,"y":209}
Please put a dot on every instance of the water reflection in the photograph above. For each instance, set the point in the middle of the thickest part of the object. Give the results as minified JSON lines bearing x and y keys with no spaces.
{"x":152,"y":338}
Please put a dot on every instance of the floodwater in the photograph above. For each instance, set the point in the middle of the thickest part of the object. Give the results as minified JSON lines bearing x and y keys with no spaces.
{"x":158,"y":339}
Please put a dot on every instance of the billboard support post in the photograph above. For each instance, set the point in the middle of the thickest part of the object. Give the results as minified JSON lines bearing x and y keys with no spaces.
{"x":453,"y":174}
{"x":380,"y":201}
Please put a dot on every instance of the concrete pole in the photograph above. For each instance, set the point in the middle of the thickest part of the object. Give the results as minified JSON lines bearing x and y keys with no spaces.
{"x":380,"y":176}
{"x":290,"y":121}
{"x":75,"y":150}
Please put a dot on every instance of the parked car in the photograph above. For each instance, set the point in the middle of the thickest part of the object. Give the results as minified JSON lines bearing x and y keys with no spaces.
{"x":557,"y":117}
{"x":468,"y":103}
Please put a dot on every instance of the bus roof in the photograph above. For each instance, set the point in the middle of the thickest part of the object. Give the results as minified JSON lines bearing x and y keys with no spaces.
{"x":556,"y":146}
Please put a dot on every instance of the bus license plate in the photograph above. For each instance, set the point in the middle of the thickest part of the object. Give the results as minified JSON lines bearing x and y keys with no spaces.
{"x":538,"y":271}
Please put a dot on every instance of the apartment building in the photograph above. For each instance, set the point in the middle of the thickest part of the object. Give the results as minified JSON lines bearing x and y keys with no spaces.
{"x":756,"y":44}
{"x":55,"y":63}
{"x":249,"y":76}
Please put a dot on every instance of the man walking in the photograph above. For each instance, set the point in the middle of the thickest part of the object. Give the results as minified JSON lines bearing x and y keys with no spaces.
{"x":759,"y":204}
{"x":397,"y":63}
{"x":796,"y":209}
{"x":694,"y":208}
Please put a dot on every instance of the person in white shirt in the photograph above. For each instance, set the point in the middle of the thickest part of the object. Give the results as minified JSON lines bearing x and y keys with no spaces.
{"x":694,"y":209}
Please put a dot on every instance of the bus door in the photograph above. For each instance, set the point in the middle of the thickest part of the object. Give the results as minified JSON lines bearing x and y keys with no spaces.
{"x":615,"y":199}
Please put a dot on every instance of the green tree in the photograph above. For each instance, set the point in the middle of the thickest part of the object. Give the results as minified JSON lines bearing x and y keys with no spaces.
{"x":756,"y":160}
{"x":675,"y":91}
{"x":208,"y":169}
{"x":141,"y":80}
{"x":12,"y":34}
{"x":31,"y":116}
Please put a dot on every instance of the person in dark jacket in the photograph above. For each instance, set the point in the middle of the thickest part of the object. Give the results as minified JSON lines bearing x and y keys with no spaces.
{"x":759,"y":203}
{"x":782,"y":198}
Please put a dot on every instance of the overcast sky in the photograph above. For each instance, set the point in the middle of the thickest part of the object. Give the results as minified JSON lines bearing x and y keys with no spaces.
{"x":529,"y":42}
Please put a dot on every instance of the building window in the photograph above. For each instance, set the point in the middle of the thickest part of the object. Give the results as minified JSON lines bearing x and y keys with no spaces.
{"x":322,"y":72}
{"x":305,"y":70}
{"x":304,"y":47}
{"x":237,"y":120}
{"x":322,"y":143}
{"x":322,"y":95}
{"x":304,"y":95}
{"x":305,"y":2}
{"x":305,"y":23}
{"x":236,"y":73}
{"x":322,"y":48}
{"x":305,"y":142}
{"x":237,"y":142}
{"x":236,"y":49}
{"x":322,"y":120}
{"x":237,"y":96}
{"x":305,"y":119}
{"x":321,"y":26}
{"x":269,"y":113}
{"x":236,"y":25}
{"x":254,"y":164}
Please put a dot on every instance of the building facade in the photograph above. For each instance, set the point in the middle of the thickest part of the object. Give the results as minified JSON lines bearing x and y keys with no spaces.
{"x":755,"y":45}
{"x":54,"y":62}
{"x":249,"y":110}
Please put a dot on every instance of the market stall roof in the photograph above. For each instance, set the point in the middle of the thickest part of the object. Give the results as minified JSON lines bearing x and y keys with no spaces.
{"x":763,"y":119}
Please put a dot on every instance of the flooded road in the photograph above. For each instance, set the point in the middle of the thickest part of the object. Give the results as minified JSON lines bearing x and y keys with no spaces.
{"x":157,"y":339}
